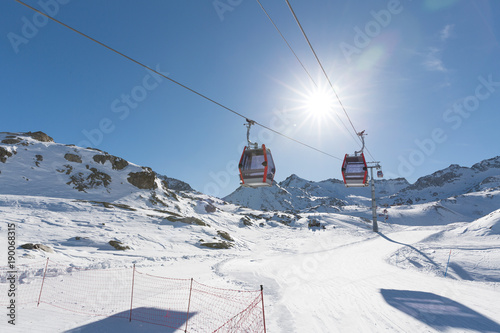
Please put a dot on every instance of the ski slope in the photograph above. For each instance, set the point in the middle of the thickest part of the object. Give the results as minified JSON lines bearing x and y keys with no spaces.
{"x":343,"y":278}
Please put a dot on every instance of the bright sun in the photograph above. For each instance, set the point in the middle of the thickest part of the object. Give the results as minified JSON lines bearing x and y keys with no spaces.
{"x":319,"y":102}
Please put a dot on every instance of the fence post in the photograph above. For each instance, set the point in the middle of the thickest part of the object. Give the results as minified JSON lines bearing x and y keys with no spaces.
{"x":263,"y":313}
{"x":189,"y":304}
{"x":132,"y":294}
{"x":43,"y":280}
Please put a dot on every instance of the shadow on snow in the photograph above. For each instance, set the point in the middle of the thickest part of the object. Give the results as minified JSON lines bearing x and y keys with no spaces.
{"x":149,"y":320}
{"x":432,"y":262}
{"x":438,"y":312}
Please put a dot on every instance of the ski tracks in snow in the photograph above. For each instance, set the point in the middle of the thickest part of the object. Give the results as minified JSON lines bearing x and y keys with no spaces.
{"x":322,"y":288}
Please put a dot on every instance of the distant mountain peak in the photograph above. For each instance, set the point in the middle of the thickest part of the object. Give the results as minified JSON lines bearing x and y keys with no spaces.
{"x":487,"y":164}
{"x":293,"y":180}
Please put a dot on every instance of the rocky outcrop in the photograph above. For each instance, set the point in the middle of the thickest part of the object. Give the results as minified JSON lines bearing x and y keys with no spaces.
{"x":118,"y":245}
{"x":31,"y":246}
{"x":11,"y":141}
{"x":225,"y":235}
{"x":73,"y":158}
{"x":487,"y":164}
{"x":39,"y":136}
{"x":117,"y":163}
{"x":187,"y":220}
{"x":438,"y":179}
{"x":174,"y":184}
{"x":4,"y":154}
{"x":94,"y":180}
{"x":218,"y":245}
{"x":38,"y":159}
{"x":144,"y":180}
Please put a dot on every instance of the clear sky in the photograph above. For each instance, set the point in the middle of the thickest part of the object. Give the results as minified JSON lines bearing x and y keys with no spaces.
{"x":421,"y":77}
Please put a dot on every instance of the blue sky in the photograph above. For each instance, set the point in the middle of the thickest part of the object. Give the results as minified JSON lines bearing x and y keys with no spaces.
{"x":421,"y":77}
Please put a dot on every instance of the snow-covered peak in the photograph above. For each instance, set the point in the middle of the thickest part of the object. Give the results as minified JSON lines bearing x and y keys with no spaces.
{"x":294,"y":181}
{"x":297,"y":194}
{"x":452,"y":181}
{"x":492,"y":163}
{"x":33,"y":164}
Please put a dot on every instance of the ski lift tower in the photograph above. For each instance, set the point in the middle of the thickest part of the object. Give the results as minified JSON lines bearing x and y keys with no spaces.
{"x":355,"y":174}
{"x":373,"y":165}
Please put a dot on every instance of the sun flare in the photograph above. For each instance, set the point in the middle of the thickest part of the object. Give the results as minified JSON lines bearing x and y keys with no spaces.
{"x":319,"y":102}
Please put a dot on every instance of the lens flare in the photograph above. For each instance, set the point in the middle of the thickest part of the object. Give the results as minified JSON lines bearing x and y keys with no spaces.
{"x":319,"y":102}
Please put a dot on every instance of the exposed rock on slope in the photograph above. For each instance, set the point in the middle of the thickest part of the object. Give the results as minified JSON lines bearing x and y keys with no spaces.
{"x":31,"y":163}
{"x":450,"y":182}
{"x":143,"y":179}
{"x":117,"y":163}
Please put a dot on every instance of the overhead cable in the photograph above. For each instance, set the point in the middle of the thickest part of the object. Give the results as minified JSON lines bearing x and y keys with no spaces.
{"x":323,"y":69}
{"x":300,"y":62}
{"x":172,"y":80}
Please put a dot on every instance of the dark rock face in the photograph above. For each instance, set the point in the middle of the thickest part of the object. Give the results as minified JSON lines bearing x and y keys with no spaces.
{"x":436,"y":179}
{"x":118,"y":245}
{"x":94,"y":180}
{"x":210,"y":208}
{"x":11,"y":141}
{"x":4,"y":154}
{"x":73,"y":158}
{"x":40,"y":136}
{"x":31,"y":246}
{"x":174,"y":184}
{"x":187,"y":220}
{"x":487,"y":164}
{"x":117,"y":163}
{"x":225,"y":235}
{"x":144,"y":180}
{"x":218,"y":245}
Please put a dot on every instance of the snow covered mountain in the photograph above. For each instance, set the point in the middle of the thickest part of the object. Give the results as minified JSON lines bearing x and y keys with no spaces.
{"x":37,"y":173}
{"x":451,"y":182}
{"x":297,"y":194}
{"x":32,"y":163}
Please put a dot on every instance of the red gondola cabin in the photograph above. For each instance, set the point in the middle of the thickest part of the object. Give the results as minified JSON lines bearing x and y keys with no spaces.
{"x":355,"y":171}
{"x":256,"y":167}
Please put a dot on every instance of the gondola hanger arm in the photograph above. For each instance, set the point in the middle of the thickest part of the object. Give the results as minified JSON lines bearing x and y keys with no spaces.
{"x":251,"y":144}
{"x":362,"y":137}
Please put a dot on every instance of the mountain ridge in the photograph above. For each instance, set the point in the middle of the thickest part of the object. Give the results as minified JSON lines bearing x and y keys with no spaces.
{"x":303,"y":195}
{"x":33,"y":164}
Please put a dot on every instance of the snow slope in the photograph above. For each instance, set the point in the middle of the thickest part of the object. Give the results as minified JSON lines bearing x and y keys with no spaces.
{"x":340,"y":277}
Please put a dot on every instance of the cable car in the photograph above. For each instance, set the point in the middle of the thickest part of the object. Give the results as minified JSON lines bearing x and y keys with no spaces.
{"x":380,"y":174}
{"x":355,"y":171}
{"x":256,"y":164}
{"x":256,"y":167}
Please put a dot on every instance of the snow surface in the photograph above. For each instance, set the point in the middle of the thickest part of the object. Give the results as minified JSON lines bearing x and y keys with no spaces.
{"x":340,"y":277}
